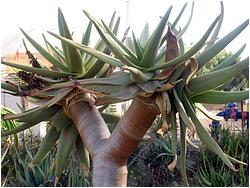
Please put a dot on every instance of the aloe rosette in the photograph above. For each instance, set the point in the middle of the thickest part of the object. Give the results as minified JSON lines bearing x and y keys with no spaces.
{"x":155,"y":67}
{"x":69,"y":65}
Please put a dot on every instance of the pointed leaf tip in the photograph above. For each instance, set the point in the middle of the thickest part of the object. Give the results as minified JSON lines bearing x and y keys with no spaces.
{"x":213,"y":50}
{"x":153,"y":43}
{"x":189,"y":53}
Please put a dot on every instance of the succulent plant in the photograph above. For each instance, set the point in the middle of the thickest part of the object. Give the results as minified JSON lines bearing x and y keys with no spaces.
{"x":64,"y":69}
{"x":154,"y":70}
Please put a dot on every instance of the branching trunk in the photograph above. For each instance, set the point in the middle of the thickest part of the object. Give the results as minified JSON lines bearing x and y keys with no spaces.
{"x":90,"y":125}
{"x":131,"y":128}
{"x":107,"y":173}
{"x":110,"y":152}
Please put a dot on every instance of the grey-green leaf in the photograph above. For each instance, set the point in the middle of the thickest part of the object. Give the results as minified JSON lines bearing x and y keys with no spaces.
{"x":114,"y":47}
{"x":153,"y":43}
{"x":137,"y":46}
{"x":189,"y":53}
{"x":137,"y":75}
{"x":179,"y":16}
{"x":212,"y":80}
{"x":73,"y":56}
{"x":179,"y":35}
{"x":120,"y":44}
{"x":230,"y":60}
{"x":44,"y":53}
{"x":217,"y":29}
{"x":99,"y":55}
{"x":144,"y":36}
{"x":221,"y":97}
{"x":205,"y":136}
{"x":39,"y":71}
{"x":209,"y":53}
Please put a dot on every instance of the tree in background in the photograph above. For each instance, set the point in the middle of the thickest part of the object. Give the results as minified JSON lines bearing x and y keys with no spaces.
{"x":240,"y":80}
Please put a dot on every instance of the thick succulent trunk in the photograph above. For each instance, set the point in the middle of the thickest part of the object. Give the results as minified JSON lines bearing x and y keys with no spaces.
{"x":110,"y":152}
{"x":108,"y":173}
{"x":90,"y":125}
{"x":131,"y":128}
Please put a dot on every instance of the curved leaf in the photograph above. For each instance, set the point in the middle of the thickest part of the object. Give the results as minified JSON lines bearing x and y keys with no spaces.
{"x":230,"y":60}
{"x":144,"y":36}
{"x":217,"y":29}
{"x":137,"y":75}
{"x":179,"y":15}
{"x":73,"y":56}
{"x":60,"y":120}
{"x":46,"y":145}
{"x":66,"y":142}
{"x":55,"y":52}
{"x":174,"y":23}
{"x":174,"y":131}
{"x":20,"y":128}
{"x":179,"y":35}
{"x":99,"y":55}
{"x":153,"y":43}
{"x":221,"y":97}
{"x":8,"y":86}
{"x":95,"y":66}
{"x":150,"y":86}
{"x":137,"y":47}
{"x":118,"y":79}
{"x":39,"y":71}
{"x":213,"y":79}
{"x":120,"y":44}
{"x":183,"y":152}
{"x":39,"y":109}
{"x":209,"y":53}
{"x":207,"y":113}
{"x":44,"y":53}
{"x":86,"y":35}
{"x":204,"y":135}
{"x":125,"y":93}
{"x":83,"y":155}
{"x":189,"y":53}
{"x":114,"y":47}
{"x":101,"y":46}
{"x":183,"y":114}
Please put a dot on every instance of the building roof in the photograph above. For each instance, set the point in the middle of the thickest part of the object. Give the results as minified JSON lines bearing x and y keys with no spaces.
{"x":22,"y":58}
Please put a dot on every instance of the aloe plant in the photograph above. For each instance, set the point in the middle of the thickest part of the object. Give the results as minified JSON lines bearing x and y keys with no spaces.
{"x":213,"y":172}
{"x":154,"y":70}
{"x":7,"y":125}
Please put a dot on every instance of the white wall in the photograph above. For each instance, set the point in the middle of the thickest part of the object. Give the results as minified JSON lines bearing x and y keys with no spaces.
{"x":11,"y":102}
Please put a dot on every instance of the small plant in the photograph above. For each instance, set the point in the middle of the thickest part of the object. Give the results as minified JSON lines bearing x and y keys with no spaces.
{"x":214,"y":177}
{"x":22,"y":173}
{"x":213,"y":172}
{"x":154,"y":164}
{"x":17,"y":169}
{"x":7,"y":144}
{"x":7,"y":125}
{"x":75,"y":175}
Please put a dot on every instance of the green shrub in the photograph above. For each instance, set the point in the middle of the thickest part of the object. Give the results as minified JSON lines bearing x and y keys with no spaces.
{"x":213,"y":172}
{"x":17,"y":170}
{"x":148,"y":166}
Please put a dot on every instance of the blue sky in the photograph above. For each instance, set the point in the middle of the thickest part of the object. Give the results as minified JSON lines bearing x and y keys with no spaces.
{"x":38,"y":16}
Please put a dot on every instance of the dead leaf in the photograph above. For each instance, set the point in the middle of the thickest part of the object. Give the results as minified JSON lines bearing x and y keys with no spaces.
{"x":172,"y":165}
{"x":163,"y":129}
{"x":172,"y":46}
